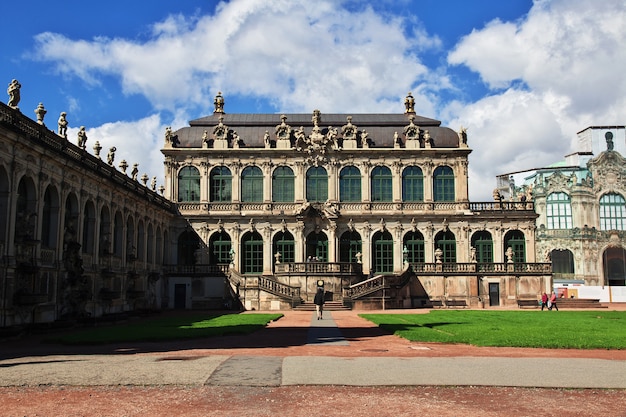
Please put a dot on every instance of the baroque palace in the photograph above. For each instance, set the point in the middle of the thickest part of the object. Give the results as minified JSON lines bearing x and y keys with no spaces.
{"x":256,"y":212}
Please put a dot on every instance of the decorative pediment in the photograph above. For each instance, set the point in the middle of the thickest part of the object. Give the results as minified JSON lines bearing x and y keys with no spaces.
{"x":220,"y":131}
{"x":609,"y":172}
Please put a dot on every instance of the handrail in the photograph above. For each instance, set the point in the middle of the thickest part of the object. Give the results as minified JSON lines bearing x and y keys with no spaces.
{"x":317,"y":268}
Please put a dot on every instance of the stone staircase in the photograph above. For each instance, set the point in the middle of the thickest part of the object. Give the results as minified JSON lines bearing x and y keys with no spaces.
{"x":579,"y":303}
{"x":328,"y":306}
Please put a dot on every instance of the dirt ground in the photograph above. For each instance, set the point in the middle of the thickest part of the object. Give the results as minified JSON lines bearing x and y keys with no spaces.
{"x":286,"y":337}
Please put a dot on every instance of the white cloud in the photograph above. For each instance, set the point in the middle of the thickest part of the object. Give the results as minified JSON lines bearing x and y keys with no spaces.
{"x":300,"y":54}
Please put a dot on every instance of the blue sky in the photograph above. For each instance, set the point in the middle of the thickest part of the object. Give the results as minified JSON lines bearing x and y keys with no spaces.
{"x":523,"y":76}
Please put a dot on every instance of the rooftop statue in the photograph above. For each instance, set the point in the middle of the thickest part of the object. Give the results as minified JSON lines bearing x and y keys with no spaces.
{"x":62,"y":125}
{"x":82,"y":137}
{"x":40,"y":112}
{"x":409,"y":103}
{"x":14,"y":94}
{"x":219,"y":103}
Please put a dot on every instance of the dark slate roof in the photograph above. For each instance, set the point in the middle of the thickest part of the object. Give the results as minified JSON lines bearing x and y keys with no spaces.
{"x":252,"y":127}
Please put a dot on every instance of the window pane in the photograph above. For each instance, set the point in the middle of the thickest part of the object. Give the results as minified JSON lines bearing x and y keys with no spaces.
{"x":412,"y":184}
{"x":350,"y":184}
{"x":252,"y":185}
{"x":612,"y":212}
{"x":283,"y":185}
{"x":220,"y":187}
{"x":443,"y":184}
{"x":558,"y":211}
{"x":382,"y":184}
{"x":189,"y":184}
{"x":316,"y":184}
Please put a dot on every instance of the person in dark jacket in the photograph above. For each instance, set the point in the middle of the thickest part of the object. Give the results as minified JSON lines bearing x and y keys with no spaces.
{"x":319,"y":302}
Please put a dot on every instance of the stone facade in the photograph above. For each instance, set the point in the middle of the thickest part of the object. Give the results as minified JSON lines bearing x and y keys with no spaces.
{"x":79,"y":238}
{"x":581,"y":210}
{"x":278,"y":202}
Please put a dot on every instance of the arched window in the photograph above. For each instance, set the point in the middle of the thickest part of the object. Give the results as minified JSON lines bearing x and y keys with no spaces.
{"x":188,"y":243}
{"x":189,"y":184}
{"x":412,"y":184}
{"x":562,"y":262}
{"x":614,"y":266}
{"x":446,"y":241}
{"x":382,"y":251}
{"x":50,"y":219}
{"x":350,"y":184}
{"x":283,"y":185}
{"x":284,"y":244}
{"x":612,"y":212}
{"x":443,"y":184}
{"x":558,"y":211}
{"x":252,"y":185}
{"x":317,"y":246}
{"x":515,"y":240}
{"x":414,"y":244}
{"x":382,"y":189}
{"x":220,"y":185}
{"x":219,"y":248}
{"x":482,"y":242}
{"x":349,"y":245}
{"x":316,"y":184}
{"x":89,"y":228}
{"x":252,"y":256}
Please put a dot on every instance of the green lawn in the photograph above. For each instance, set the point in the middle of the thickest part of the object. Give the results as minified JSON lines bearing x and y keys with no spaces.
{"x":538,"y":329}
{"x":170,"y":328}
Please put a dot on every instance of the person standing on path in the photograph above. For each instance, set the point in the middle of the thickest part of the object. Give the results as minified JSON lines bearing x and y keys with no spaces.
{"x":553,"y":302}
{"x":319,"y":302}
{"x":544,"y":300}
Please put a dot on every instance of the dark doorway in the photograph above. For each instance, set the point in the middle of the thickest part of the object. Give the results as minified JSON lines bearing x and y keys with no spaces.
{"x":494,"y":294}
{"x":180,"y":296}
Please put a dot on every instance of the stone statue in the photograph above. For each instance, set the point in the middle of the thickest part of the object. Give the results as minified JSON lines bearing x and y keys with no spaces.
{"x":219,"y":103}
{"x":62,"y":125}
{"x":235,"y":140}
{"x":266,"y":140}
{"x":82,"y":137}
{"x":14,"y":94}
{"x":609,"y":140}
{"x":111,"y":155}
{"x":463,"y":135}
{"x":509,"y":255}
{"x":277,"y":256}
{"x":396,"y":140}
{"x":364,"y":139}
{"x":168,"y":135}
{"x":153,"y":184}
{"x":359,"y":257}
{"x":497,"y":197}
{"x":409,"y":103}
{"x":135,"y":171}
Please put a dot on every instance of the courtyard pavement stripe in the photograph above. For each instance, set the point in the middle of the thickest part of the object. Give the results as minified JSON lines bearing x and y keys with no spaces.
{"x":253,"y":371}
{"x":325,"y":331}
{"x":519,"y":372}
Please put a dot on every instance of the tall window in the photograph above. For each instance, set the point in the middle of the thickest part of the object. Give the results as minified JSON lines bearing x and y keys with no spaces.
{"x":414,"y":244}
{"x":188,"y":243}
{"x":317,"y":246}
{"x":252,"y":185}
{"x":284,"y":244}
{"x":219,"y":248}
{"x":220,"y":185}
{"x":189,"y":184}
{"x":283,"y":185}
{"x":446,"y":241}
{"x":515,"y":240}
{"x":382,"y":249}
{"x":412,"y":184}
{"x":482,"y":242}
{"x":612,"y":212}
{"x":350,"y":184}
{"x":559,"y":211}
{"x":562,"y":261}
{"x":382,"y":184}
{"x":443,"y":184}
{"x":252,"y":253}
{"x":349,"y":245}
{"x":316,"y":184}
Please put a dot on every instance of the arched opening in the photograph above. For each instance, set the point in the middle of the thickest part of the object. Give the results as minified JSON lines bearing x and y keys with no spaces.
{"x":614,"y":266}
{"x":482,"y":242}
{"x":317,"y":247}
{"x":446,"y":242}
{"x":252,"y":256}
{"x":382,"y":252}
{"x":414,"y":244}
{"x":188,"y":244}
{"x":350,"y":244}
{"x":515,"y":240}
{"x":284,"y":244}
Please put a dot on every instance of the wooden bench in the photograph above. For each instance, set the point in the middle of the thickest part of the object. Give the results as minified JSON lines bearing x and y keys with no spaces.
{"x":436,"y":303}
{"x":527,"y":304}
{"x":456,"y":303}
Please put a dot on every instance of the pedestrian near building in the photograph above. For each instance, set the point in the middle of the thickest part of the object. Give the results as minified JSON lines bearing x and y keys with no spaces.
{"x":544,"y":300}
{"x":552,"y":302}
{"x":319,"y":302}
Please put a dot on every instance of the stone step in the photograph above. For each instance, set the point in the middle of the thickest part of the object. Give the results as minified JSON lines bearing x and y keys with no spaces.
{"x":328,"y":306}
